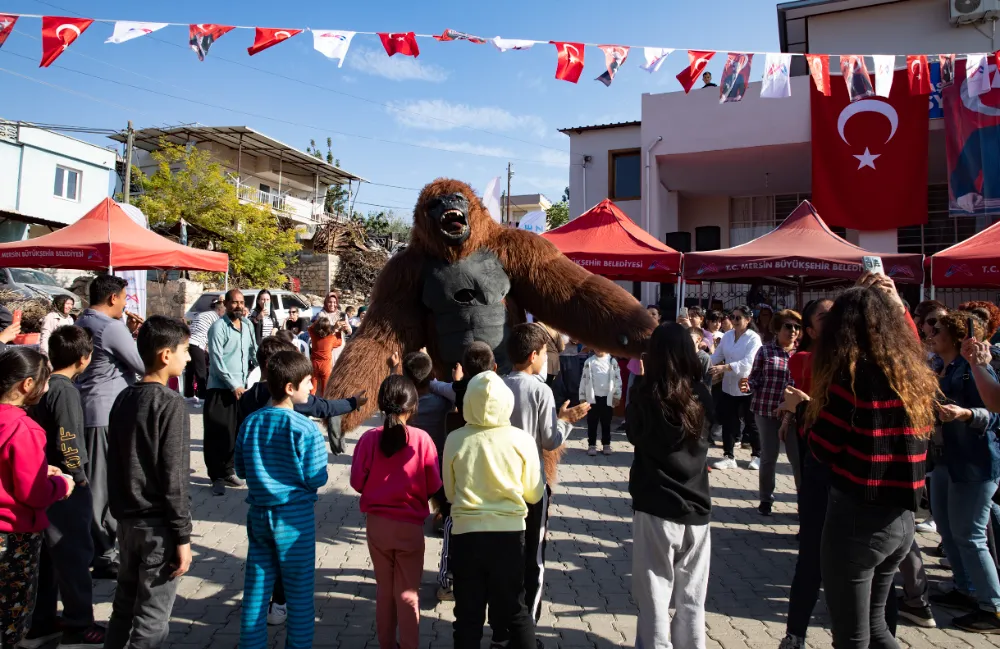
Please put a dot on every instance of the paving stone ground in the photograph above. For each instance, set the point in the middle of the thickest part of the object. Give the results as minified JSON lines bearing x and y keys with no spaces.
{"x":588,"y":575}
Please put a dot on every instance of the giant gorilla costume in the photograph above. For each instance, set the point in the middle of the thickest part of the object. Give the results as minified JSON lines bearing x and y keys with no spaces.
{"x":463,"y":278}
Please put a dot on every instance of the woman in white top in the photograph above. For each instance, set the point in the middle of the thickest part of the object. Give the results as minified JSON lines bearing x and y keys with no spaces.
{"x":601,"y":387}
{"x":733,"y":360}
{"x":57,"y":317}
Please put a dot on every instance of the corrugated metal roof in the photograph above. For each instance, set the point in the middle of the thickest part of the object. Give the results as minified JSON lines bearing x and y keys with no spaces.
{"x":598,"y":127}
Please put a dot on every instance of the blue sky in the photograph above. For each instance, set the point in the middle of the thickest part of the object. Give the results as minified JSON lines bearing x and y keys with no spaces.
{"x":469,"y":89}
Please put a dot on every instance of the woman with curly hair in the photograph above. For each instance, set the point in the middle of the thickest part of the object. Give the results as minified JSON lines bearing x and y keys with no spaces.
{"x":869,"y":420}
{"x":59,"y":316}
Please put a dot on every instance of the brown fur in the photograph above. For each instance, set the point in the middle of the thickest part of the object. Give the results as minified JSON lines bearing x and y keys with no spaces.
{"x":589,"y":308}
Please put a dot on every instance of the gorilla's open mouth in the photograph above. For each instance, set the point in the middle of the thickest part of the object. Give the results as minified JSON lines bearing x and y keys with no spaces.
{"x":452,"y":215}
{"x":454,"y":223}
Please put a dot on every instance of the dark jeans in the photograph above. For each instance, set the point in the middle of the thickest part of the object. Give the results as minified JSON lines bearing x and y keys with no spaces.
{"x":732,"y":409}
{"x":497,"y":583}
{"x":221,"y":425}
{"x":103,"y":526}
{"x":600,"y":413}
{"x":814,"y":492}
{"x":862,"y":547}
{"x":196,"y":372}
{"x":140,"y":613}
{"x":64,"y":569}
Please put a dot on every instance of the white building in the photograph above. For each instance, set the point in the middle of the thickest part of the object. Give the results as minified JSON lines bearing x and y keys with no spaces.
{"x":48,"y":180}
{"x":724,"y":174}
{"x":265,"y":171}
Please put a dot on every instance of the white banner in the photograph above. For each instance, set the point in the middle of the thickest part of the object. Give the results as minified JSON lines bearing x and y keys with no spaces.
{"x":532,"y":222}
{"x":491,"y":200}
{"x":775,"y":84}
{"x":655,"y":56}
{"x":977,"y":74}
{"x":885,"y":65}
{"x":135,"y":292}
{"x":504,"y":44}
{"x":126,"y":30}
{"x":332,"y":44}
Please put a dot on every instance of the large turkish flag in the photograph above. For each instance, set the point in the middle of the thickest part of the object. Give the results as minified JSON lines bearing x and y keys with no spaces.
{"x":869,"y":157}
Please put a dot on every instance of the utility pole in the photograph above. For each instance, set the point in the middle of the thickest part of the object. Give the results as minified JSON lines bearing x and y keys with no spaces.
{"x":127,"y":189}
{"x":510,"y":173}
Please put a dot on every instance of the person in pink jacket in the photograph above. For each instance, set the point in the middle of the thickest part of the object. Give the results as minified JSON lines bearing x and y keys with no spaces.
{"x":28,"y":485}
{"x":395,"y":469}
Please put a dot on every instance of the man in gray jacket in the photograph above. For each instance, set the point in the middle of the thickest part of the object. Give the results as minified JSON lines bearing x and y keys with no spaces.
{"x":114,"y":367}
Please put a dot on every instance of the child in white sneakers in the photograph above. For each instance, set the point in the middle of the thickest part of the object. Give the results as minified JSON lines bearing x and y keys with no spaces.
{"x":601,"y":387}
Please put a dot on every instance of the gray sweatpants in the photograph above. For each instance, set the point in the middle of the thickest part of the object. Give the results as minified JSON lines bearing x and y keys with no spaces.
{"x":104,"y":526}
{"x":670,"y":565}
{"x":770,"y":448}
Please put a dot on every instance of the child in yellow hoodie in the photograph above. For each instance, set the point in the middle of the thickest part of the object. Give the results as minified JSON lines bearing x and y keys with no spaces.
{"x":491,"y":474}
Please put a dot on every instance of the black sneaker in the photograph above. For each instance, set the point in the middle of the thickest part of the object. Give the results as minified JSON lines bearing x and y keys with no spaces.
{"x":919,"y":615}
{"x":92,"y":636}
{"x":218,"y":487}
{"x":105,"y":572}
{"x":764,"y":509}
{"x":979,"y":621}
{"x":955,"y":600}
{"x":40,"y":635}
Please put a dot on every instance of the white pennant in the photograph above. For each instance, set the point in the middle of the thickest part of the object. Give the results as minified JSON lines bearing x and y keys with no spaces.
{"x":884,"y":71}
{"x":491,"y":200}
{"x":776,"y":84}
{"x":332,"y":44}
{"x":504,"y":44}
{"x":977,"y":74}
{"x":655,"y":56}
{"x":126,"y":30}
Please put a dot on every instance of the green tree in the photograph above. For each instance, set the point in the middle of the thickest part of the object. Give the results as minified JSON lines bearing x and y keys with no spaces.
{"x":557,"y":215}
{"x":565,"y":196}
{"x":384,"y":223}
{"x":188,"y":185}
{"x":337,"y":197}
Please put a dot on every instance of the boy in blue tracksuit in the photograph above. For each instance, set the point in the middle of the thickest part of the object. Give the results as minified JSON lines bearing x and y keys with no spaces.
{"x":282,"y":456}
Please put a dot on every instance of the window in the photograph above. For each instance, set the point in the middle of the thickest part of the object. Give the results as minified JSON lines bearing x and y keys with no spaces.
{"x":67,"y":184}
{"x":754,"y":216}
{"x":624,"y":175}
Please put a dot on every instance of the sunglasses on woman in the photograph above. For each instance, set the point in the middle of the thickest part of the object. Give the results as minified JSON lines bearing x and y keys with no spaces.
{"x":791,"y":326}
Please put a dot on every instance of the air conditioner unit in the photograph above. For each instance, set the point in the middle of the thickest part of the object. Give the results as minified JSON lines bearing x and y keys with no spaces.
{"x":970,"y":11}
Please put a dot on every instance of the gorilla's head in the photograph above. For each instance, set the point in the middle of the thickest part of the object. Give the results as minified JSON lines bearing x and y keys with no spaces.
{"x":449,"y":220}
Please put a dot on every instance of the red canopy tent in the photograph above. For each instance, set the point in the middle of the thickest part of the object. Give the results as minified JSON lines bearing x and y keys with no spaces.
{"x":974,"y":263}
{"x":606,"y":242}
{"x":801,"y":252}
{"x":107,"y":238}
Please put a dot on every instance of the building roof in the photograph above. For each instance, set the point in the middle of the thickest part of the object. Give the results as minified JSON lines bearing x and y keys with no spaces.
{"x":251,"y":141}
{"x":529,"y":199}
{"x":598,"y":127}
{"x":14,"y":215}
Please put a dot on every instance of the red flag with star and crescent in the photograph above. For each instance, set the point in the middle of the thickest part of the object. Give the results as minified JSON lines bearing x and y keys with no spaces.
{"x":869,"y":157}
{"x":402,"y":43}
{"x":919,"y":72}
{"x":819,"y":69}
{"x":266,"y":37}
{"x":697,"y":62}
{"x":6,"y":26}
{"x":58,"y":33}
{"x":569,"y":62}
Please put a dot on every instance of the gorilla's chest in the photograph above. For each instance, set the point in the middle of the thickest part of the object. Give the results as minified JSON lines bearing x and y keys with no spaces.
{"x":466,"y":299}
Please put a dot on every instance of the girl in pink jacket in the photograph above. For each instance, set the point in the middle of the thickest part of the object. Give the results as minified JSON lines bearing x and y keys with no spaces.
{"x":28,"y":485}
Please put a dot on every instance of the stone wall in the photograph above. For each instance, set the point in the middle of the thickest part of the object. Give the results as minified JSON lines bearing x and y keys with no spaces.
{"x":172,"y":298}
{"x":315,"y":272}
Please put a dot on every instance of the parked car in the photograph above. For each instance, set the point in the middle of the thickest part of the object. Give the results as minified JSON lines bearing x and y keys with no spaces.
{"x":32,"y":283}
{"x":280,"y":301}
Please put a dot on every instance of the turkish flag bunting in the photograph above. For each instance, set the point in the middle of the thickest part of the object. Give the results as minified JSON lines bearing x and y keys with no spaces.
{"x":6,"y":26}
{"x":405,"y":44}
{"x":58,"y":33}
{"x":569,"y":64}
{"x":819,"y":68}
{"x":203,"y":35}
{"x":266,"y":37}
{"x":869,"y":158}
{"x":698,"y":61}
{"x":919,"y":72}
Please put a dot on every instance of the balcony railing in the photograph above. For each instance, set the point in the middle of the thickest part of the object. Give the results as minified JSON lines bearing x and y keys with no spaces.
{"x":284,"y":204}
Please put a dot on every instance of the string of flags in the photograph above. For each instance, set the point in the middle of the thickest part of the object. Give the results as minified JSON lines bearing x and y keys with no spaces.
{"x":59,"y":32}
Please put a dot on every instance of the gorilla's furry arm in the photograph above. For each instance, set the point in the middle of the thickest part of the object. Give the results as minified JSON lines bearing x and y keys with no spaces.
{"x":587,"y":307}
{"x":394,"y":322}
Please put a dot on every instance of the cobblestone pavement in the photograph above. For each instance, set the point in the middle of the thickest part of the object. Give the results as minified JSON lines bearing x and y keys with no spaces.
{"x":588,"y":576}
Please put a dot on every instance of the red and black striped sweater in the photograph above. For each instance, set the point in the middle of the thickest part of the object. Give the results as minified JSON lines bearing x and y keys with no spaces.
{"x":874,"y":452}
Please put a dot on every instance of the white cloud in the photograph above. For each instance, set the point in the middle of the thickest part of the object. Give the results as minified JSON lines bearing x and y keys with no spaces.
{"x":551,"y":158}
{"x":468,"y":147}
{"x":440,"y":115}
{"x":396,"y":68}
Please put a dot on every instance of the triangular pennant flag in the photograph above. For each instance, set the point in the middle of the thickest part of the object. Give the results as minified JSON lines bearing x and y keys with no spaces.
{"x":332,"y":44}
{"x":453,"y":35}
{"x":58,"y":33}
{"x":996,"y":63}
{"x":776,"y":84}
{"x":819,"y":69}
{"x":569,"y":63}
{"x":504,"y":44}
{"x":126,"y":30}
{"x":697,"y":62}
{"x":885,"y":69}
{"x":735,"y":77}
{"x":614,"y":58}
{"x":947,"y":69}
{"x":6,"y":26}
{"x":402,"y":43}
{"x":977,"y":74}
{"x":268,"y":37}
{"x":655,"y":56}
{"x":919,"y":72}
{"x":202,"y":36}
{"x":855,"y":71}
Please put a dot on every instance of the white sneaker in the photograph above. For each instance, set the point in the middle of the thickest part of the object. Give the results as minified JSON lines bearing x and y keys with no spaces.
{"x":277,"y":614}
{"x":592,"y":451}
{"x":927,"y":527}
{"x":754,"y":464}
{"x":725,"y":463}
{"x":607,"y":450}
